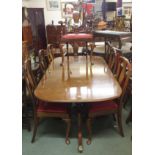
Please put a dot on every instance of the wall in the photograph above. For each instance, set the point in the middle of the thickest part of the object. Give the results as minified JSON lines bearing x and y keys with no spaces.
{"x":49,"y":15}
{"x":56,"y":15}
{"x":126,"y":0}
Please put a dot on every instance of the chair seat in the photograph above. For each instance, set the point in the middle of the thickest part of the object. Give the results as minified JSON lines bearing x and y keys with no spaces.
{"x":52,"y":107}
{"x":77,"y":37}
{"x":101,"y":106}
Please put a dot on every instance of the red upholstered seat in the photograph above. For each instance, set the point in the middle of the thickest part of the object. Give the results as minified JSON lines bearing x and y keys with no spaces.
{"x":52,"y":107}
{"x":101,"y":106}
{"x":77,"y":36}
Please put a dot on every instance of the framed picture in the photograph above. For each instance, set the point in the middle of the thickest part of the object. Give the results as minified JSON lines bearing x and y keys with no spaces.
{"x":53,"y":5}
{"x":67,"y":8}
{"x":127,"y":12}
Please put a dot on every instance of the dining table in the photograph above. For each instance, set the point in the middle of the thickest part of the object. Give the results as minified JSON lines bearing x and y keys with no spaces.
{"x":85,"y":83}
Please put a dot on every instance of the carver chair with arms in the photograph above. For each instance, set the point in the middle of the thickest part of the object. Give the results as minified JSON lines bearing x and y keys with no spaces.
{"x":112,"y":106}
{"x":45,"y":109}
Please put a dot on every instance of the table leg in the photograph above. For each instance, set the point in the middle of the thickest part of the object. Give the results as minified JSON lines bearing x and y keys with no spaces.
{"x":80,"y":145}
{"x":119,"y":43}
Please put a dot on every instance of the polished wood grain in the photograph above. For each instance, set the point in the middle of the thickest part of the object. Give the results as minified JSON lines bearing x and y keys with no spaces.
{"x":84,"y":83}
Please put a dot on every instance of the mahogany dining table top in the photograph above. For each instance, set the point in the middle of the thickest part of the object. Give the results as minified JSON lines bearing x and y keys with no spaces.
{"x":86,"y":83}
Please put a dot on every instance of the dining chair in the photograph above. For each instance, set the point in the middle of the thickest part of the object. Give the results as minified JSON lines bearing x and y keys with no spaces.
{"x":128,"y":92}
{"x":112,"y":106}
{"x":45,"y":109}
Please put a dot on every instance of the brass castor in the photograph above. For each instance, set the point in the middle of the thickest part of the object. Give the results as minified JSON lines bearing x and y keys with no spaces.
{"x":80,"y":148}
{"x":88,"y":142}
{"x":67,"y":141}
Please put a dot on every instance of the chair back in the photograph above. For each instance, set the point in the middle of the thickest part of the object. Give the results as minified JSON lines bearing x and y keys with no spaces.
{"x":43,"y":60}
{"x":113,"y":59}
{"x":108,"y":50}
{"x":28,"y":71}
{"x":123,"y":74}
{"x":29,"y":78}
{"x":50,"y":53}
{"x":112,"y":55}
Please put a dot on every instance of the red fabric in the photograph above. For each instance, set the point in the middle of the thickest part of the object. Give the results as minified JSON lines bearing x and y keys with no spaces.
{"x":77,"y":36}
{"x":52,"y":107}
{"x":102,"y":106}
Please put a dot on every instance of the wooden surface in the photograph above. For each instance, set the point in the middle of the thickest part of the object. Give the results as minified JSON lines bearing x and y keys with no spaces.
{"x":110,"y":35}
{"x":86,"y":83}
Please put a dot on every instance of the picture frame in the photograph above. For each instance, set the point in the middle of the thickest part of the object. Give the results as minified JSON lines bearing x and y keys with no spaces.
{"x":127,"y":12}
{"x":67,"y":8}
{"x":53,"y":5}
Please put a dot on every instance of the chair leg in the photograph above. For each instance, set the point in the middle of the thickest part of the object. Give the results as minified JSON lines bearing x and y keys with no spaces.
{"x":114,"y":117}
{"x":120,"y":127}
{"x":28,"y":124}
{"x":129,"y":118}
{"x":36,"y":120}
{"x":68,"y":121}
{"x":89,"y":129}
